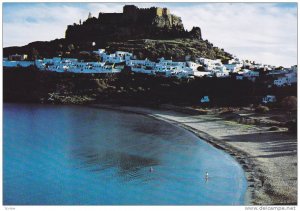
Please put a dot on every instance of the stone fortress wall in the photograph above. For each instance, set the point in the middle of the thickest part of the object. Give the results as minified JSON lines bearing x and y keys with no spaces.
{"x":133,"y":13}
{"x":132,"y":23}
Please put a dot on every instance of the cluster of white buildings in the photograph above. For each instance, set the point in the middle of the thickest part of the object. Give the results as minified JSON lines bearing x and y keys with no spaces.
{"x":235,"y":65}
{"x":17,"y":63}
{"x":201,"y":67}
{"x":115,"y":62}
{"x":284,"y":77}
{"x":110,"y":63}
{"x":163,"y":67}
{"x":58,"y":64}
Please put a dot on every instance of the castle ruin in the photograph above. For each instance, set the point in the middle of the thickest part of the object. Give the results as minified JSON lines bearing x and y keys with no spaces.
{"x":133,"y":22}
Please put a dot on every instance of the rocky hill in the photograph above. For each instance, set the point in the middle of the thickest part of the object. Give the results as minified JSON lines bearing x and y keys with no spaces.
{"x":179,"y":49}
{"x":147,"y":32}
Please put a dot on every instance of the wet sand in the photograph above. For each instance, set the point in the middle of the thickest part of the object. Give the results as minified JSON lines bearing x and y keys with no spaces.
{"x":269,"y":158}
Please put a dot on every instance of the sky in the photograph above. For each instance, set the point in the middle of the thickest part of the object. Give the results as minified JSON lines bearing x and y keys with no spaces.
{"x":263,"y":32}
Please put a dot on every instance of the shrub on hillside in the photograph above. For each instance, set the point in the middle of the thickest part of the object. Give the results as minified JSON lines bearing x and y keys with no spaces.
{"x":261,"y":109}
{"x":289,"y":103}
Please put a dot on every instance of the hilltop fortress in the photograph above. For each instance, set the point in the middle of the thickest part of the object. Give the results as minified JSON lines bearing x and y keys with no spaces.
{"x":132,"y":23}
{"x":146,"y":32}
{"x":132,"y":13}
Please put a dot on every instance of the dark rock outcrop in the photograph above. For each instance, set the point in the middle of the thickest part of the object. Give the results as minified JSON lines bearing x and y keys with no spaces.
{"x":196,"y":33}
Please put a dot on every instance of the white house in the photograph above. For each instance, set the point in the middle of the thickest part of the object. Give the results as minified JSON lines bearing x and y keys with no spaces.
{"x":281,"y":81}
{"x":69,"y":60}
{"x":276,"y":72}
{"x":40,"y":64}
{"x":99,"y":51}
{"x":202,"y":60}
{"x":192,"y":65}
{"x":162,"y":70}
{"x":208,"y":62}
{"x":202,"y":73}
{"x":287,"y":79}
{"x":117,"y":57}
{"x":170,"y":68}
{"x":292,"y":77}
{"x":220,"y":68}
{"x":139,"y":63}
{"x":204,"y":99}
{"x":233,"y":67}
{"x":258,"y":66}
{"x":294,"y":68}
{"x":269,"y":99}
{"x":251,"y":73}
{"x":170,"y":63}
{"x":220,"y":74}
{"x":124,"y":55}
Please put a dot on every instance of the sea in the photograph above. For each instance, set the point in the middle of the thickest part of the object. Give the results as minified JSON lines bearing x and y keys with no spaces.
{"x":79,"y":155}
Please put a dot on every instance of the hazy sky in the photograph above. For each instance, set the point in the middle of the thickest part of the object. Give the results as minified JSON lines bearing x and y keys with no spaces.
{"x":264,"y":32}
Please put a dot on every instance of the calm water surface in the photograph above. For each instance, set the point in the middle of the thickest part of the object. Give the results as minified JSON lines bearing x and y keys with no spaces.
{"x":68,"y":155}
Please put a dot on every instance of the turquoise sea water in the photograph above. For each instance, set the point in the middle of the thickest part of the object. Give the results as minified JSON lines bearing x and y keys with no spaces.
{"x":69,"y":155}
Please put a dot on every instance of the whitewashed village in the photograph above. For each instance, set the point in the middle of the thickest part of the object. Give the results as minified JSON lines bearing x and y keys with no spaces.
{"x":200,"y":67}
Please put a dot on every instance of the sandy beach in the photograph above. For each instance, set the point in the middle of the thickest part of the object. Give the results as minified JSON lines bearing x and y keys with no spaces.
{"x":269,"y":158}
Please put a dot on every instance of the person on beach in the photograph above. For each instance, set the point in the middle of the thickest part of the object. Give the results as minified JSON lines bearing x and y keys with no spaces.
{"x":206,"y":176}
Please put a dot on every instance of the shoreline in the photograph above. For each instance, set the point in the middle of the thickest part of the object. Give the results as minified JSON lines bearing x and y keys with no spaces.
{"x":259,"y":190}
{"x":238,"y":156}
